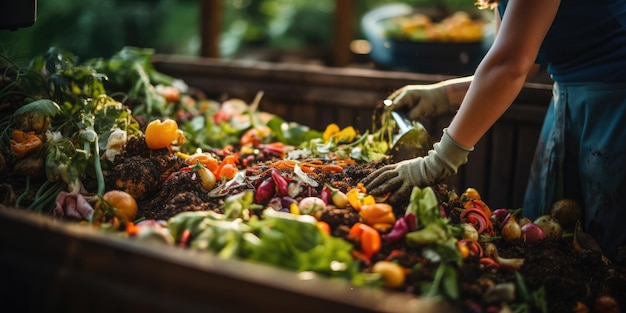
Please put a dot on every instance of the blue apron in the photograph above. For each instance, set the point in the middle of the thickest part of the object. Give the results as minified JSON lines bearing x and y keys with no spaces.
{"x":581,"y":155}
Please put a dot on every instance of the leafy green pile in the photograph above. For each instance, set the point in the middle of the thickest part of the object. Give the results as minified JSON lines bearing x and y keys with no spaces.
{"x":280,"y":239}
{"x":65,"y":103}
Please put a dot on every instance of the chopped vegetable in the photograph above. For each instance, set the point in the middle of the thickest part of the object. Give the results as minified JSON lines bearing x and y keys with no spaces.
{"x":24,"y":143}
{"x":228,"y":167}
{"x":240,"y":205}
{"x":357,"y":197}
{"x":338,"y":197}
{"x":281,"y":183}
{"x":392,"y":273}
{"x":311,"y":205}
{"x":324,"y":227}
{"x":303,"y":177}
{"x":205,"y":159}
{"x":115,"y":143}
{"x":73,"y":205}
{"x":275,"y":149}
{"x":511,"y":230}
{"x":255,"y":136}
{"x":433,"y":230}
{"x":401,"y":227}
{"x":115,"y":203}
{"x":265,"y":191}
{"x":550,"y":226}
{"x":510,"y":263}
{"x":206,"y":176}
{"x":377,"y":215}
{"x":161,"y":134}
{"x":367,"y":237}
{"x":477,"y":218}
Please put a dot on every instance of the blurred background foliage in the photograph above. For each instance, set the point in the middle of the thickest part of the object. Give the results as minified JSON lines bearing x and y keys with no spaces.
{"x":96,"y":28}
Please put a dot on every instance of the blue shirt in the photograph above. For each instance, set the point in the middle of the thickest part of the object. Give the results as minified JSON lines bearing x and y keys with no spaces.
{"x":586,"y":42}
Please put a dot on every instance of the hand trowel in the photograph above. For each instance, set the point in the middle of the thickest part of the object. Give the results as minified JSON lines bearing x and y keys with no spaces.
{"x":412,"y":139}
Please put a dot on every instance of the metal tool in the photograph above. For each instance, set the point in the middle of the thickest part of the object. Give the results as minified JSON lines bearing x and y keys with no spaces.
{"x":412,"y":139}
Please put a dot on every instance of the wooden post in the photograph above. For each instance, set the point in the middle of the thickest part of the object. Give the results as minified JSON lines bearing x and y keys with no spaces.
{"x":343,"y":32}
{"x":210,"y":27}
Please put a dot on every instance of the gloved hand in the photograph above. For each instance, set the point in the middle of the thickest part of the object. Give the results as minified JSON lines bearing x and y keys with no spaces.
{"x":421,"y":101}
{"x":400,"y":178}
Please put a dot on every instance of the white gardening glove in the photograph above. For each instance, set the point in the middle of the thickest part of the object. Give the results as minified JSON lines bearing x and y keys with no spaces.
{"x":421,"y":101}
{"x":400,"y":178}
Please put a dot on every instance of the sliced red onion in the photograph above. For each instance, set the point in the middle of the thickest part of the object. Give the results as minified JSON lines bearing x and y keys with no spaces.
{"x":475,"y":217}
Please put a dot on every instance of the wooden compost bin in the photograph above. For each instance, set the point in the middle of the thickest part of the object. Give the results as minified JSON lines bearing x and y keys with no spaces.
{"x":316,"y":96}
{"x":47,"y":265}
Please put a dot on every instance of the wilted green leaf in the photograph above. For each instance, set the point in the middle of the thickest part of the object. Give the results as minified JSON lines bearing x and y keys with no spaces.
{"x":45,"y":107}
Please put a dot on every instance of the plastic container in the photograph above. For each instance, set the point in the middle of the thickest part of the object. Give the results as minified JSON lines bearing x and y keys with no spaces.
{"x":449,"y":58}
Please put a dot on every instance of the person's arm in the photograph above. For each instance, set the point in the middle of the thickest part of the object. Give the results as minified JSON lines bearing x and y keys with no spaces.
{"x":502,"y":73}
{"x":457,"y":88}
{"x":496,"y":83}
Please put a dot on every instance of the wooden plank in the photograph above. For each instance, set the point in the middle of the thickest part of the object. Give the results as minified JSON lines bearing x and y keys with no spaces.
{"x":363,"y":119}
{"x":312,"y":75}
{"x":210,"y":27}
{"x":343,"y":32}
{"x":476,"y":172}
{"x":56,"y":266}
{"x":304,"y":114}
{"x":502,"y":156}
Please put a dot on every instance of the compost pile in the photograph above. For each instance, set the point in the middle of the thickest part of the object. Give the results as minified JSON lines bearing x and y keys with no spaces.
{"x":115,"y":145}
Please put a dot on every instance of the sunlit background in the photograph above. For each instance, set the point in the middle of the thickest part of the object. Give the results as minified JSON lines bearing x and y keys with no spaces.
{"x":279,"y":30}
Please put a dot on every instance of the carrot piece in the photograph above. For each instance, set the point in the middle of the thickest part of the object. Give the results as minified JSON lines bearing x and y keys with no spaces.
{"x":131,"y":229}
{"x":230,"y":160}
{"x":332,"y":168}
{"x":207,"y":160}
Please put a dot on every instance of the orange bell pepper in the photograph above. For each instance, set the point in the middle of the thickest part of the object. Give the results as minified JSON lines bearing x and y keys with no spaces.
{"x":368,"y":237}
{"x":377,"y":213}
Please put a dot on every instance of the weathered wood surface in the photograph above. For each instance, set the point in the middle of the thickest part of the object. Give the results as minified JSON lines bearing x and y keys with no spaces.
{"x":316,"y":95}
{"x":52,"y":266}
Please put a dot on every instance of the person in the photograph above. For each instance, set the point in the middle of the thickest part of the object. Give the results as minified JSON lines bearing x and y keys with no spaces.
{"x":581,"y":150}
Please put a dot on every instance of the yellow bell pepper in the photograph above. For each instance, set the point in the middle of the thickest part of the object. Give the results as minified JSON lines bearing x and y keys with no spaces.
{"x":160,"y":134}
{"x":357,"y":197}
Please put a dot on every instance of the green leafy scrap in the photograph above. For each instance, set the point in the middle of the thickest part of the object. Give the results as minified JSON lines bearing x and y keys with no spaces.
{"x":291,"y":133}
{"x":45,"y":107}
{"x":435,"y":235}
{"x":280,"y":239}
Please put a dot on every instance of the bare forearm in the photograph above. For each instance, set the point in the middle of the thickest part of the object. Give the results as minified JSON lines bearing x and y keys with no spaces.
{"x":491,"y":93}
{"x":456,"y":89}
